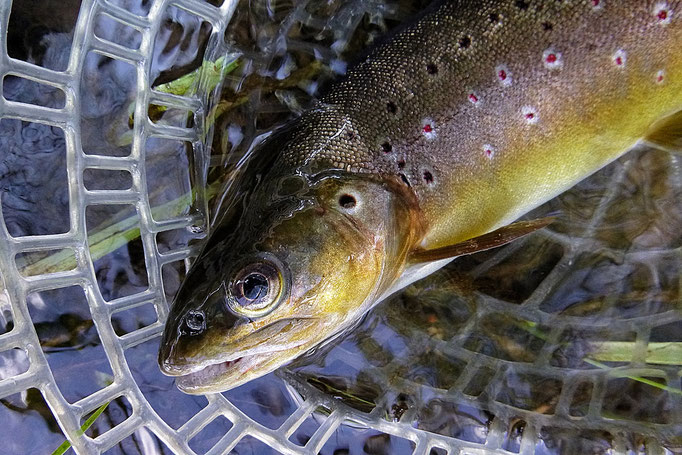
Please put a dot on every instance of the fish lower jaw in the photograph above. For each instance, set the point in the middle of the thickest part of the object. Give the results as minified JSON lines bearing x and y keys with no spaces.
{"x":208,"y":374}
{"x":227,"y":375}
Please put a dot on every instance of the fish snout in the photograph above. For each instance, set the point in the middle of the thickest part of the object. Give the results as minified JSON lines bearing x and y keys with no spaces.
{"x":167,"y":364}
{"x":189,"y":327}
{"x":173,"y":361}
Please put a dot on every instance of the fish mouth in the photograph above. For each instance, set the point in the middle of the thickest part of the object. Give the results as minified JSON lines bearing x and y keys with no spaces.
{"x":173,"y":363}
{"x":229,"y":371}
{"x":226,"y":375}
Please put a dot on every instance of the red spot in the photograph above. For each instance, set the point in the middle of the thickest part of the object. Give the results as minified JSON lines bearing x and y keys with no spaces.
{"x":427,"y":128}
{"x":530,"y":116}
{"x":488,"y":152}
{"x":502,"y":74}
{"x":662,"y":15}
{"x":595,"y":2}
{"x":473,"y":98}
{"x":619,"y":60}
{"x":551,"y":58}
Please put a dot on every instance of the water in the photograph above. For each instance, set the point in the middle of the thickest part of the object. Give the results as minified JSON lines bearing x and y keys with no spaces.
{"x":516,"y":335}
{"x":508,"y":349}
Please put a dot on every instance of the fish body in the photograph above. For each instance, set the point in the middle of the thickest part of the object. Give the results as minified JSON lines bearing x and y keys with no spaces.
{"x":459,"y":124}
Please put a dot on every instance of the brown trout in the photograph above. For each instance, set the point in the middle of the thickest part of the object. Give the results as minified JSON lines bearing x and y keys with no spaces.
{"x":465,"y":120}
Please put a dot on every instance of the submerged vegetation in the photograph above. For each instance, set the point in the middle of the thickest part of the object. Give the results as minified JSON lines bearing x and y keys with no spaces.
{"x":66,"y":445}
{"x":423,"y":353}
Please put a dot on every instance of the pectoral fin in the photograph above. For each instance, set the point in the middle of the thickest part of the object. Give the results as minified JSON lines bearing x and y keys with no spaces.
{"x":667,"y":133}
{"x":484,"y":242}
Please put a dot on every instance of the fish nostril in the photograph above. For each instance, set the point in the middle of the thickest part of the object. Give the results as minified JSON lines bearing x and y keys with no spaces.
{"x":195,"y":322}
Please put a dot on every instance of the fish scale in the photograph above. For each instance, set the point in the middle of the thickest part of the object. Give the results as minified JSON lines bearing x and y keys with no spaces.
{"x":447,"y":71}
{"x":427,"y":150}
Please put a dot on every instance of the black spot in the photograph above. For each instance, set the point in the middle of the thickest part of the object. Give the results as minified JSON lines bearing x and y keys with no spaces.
{"x":401,"y":164}
{"x":428,"y":177}
{"x":547,"y":26}
{"x":350,"y":135}
{"x":522,"y":5}
{"x":465,"y":42}
{"x":347,"y":201}
{"x":391,"y":107}
{"x":404,"y":179}
{"x":386,"y":147}
{"x":494,"y":18}
{"x":431,"y":68}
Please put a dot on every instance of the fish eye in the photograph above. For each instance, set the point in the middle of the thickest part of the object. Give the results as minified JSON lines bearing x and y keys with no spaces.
{"x":257,"y":289}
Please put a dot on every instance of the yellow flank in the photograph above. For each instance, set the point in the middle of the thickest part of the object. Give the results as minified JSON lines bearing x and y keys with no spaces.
{"x":572,"y":135}
{"x":538,"y":170}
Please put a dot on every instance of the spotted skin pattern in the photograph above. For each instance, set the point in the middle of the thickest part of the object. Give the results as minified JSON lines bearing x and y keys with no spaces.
{"x":507,"y":103}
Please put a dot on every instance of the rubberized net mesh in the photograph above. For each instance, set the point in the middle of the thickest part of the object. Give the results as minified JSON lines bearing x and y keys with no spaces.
{"x":568,"y":341}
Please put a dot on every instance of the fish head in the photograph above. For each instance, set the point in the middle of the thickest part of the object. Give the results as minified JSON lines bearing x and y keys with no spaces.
{"x":295,"y":261}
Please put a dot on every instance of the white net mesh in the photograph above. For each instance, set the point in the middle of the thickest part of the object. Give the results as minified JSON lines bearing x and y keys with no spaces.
{"x":471,"y":361}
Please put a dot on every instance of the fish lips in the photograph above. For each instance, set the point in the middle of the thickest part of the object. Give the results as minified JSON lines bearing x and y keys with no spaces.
{"x":222,"y":376}
{"x":239,"y":366}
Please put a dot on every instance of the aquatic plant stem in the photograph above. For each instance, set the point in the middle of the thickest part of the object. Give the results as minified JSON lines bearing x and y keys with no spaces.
{"x":623,"y":374}
{"x":109,"y":237}
{"x":66,"y":445}
{"x":622,"y":351}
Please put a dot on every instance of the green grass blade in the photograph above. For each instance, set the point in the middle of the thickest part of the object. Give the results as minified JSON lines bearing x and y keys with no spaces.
{"x":212,"y":71}
{"x":622,"y":351}
{"x":66,"y":445}
{"x":110,"y":237}
{"x":623,"y":374}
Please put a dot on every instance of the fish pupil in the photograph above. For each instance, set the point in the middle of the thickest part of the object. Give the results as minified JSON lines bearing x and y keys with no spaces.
{"x":255,"y":286}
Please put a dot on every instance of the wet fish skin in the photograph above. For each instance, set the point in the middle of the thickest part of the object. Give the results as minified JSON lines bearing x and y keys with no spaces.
{"x":465,"y":120}
{"x":280,"y":221}
{"x":560,"y":65}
